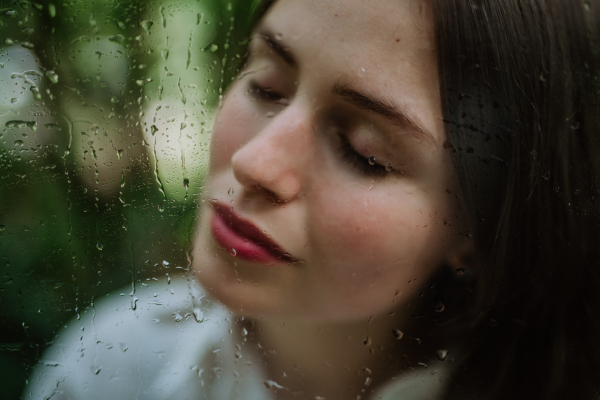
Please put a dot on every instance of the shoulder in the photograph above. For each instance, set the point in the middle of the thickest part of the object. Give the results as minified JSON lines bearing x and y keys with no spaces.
{"x":426,"y":383}
{"x":122,"y":343}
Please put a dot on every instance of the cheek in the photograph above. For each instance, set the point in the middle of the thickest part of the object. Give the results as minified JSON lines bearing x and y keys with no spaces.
{"x":234,"y":126}
{"x":369,"y":240}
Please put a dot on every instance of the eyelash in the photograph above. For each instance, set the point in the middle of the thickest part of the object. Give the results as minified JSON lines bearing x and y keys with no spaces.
{"x":355,"y":159}
{"x":262,"y":93}
{"x":361,"y":163}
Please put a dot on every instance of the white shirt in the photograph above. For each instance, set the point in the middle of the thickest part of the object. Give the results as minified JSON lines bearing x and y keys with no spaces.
{"x":149,"y":345}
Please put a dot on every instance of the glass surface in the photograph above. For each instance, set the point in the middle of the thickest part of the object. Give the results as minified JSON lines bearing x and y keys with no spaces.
{"x":299,"y":199}
{"x":106,"y":110}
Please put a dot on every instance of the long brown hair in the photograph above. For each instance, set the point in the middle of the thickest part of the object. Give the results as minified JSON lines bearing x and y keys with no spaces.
{"x":520,"y":85}
{"x":520,"y":89}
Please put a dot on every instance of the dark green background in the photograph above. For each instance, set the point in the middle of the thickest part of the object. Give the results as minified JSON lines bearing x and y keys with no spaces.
{"x":64,"y":242}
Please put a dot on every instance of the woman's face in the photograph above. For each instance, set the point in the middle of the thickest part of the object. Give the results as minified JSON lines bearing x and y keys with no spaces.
{"x":330,"y":194}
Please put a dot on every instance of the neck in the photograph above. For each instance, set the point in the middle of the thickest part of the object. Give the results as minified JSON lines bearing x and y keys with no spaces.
{"x":315,"y":359}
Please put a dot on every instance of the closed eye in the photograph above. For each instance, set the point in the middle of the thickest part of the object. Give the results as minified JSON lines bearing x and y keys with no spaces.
{"x":263,"y":93}
{"x":364,"y":165}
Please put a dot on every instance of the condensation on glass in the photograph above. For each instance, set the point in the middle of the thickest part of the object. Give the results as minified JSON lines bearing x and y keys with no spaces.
{"x":293,"y":199}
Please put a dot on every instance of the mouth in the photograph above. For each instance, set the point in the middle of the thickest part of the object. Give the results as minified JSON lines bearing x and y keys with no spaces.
{"x":243,"y":239}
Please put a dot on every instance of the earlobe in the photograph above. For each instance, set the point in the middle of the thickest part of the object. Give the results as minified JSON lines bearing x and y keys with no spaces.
{"x":463,"y":255}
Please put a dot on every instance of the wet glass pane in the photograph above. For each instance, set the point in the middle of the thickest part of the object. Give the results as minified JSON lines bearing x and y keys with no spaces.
{"x":299,"y":199}
{"x":106,"y":112}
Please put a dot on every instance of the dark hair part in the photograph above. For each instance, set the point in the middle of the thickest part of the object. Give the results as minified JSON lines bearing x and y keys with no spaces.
{"x":520,"y":87}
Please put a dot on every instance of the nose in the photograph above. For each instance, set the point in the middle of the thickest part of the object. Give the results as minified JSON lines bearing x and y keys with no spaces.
{"x":276,"y":158}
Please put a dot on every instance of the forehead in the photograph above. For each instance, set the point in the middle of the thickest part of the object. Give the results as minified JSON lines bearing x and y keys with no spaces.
{"x":356,"y":27}
{"x":382,"y":46}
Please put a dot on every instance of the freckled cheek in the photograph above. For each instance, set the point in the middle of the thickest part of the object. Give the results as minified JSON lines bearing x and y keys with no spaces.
{"x":350,"y":240}
{"x":369,"y":241}
{"x":235,"y":125}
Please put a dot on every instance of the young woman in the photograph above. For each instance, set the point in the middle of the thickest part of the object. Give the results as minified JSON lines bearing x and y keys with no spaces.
{"x":401,"y":204}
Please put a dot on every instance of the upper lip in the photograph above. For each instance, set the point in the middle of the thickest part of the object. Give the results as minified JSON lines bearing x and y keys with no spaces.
{"x":249,"y":231}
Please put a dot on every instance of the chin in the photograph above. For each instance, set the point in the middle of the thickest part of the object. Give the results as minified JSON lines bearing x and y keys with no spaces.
{"x":242,"y":298}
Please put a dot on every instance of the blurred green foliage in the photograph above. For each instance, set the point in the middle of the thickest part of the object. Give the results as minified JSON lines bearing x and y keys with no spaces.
{"x":94,"y":195}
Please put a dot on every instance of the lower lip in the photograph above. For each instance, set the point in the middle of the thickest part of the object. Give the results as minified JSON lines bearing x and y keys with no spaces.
{"x":239,"y":246}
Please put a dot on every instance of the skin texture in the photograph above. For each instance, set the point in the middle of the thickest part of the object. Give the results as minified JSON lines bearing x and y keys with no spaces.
{"x":360,"y":239}
{"x":363,"y":244}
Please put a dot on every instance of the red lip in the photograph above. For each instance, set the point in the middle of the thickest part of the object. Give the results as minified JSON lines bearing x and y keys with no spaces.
{"x":235,"y":233}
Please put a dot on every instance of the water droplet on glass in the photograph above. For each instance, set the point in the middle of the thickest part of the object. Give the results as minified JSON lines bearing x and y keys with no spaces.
{"x":270,"y":114}
{"x":230,"y":192}
{"x":52,"y":10}
{"x":372,"y":160}
{"x":388,"y":167}
{"x":367,"y":341}
{"x":161,"y":207}
{"x":8,"y":42}
{"x":116,"y":38}
{"x":233,"y":252}
{"x":244,"y":332}
{"x":198,"y":315}
{"x":272,"y":384}
{"x":575,"y":125}
{"x":442,"y":354}
{"x":368,"y":381}
{"x":146,"y":25}
{"x":153,"y":129}
{"x":211,"y":47}
{"x":134,"y":301}
{"x":99,"y":246}
{"x":36,"y":92}
{"x":546,"y":175}
{"x":186,"y":183}
{"x":165,"y":264}
{"x":120,"y":153}
{"x":177,"y":316}
{"x":398,"y":334}
{"x":439,"y":306}
{"x":18,"y":142}
{"x":53,"y":76}
{"x":22,"y":124}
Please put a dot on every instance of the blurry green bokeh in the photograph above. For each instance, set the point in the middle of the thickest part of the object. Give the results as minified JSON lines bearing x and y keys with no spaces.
{"x":105,"y":117}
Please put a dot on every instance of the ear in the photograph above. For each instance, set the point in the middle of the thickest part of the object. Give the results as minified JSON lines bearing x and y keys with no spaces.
{"x":463,"y":255}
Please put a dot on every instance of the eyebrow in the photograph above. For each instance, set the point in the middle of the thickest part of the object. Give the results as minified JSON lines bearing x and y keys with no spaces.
{"x":386,"y":108}
{"x":279,"y":48}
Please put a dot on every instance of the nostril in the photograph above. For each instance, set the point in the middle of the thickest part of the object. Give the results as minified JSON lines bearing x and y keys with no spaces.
{"x":269,"y":194}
